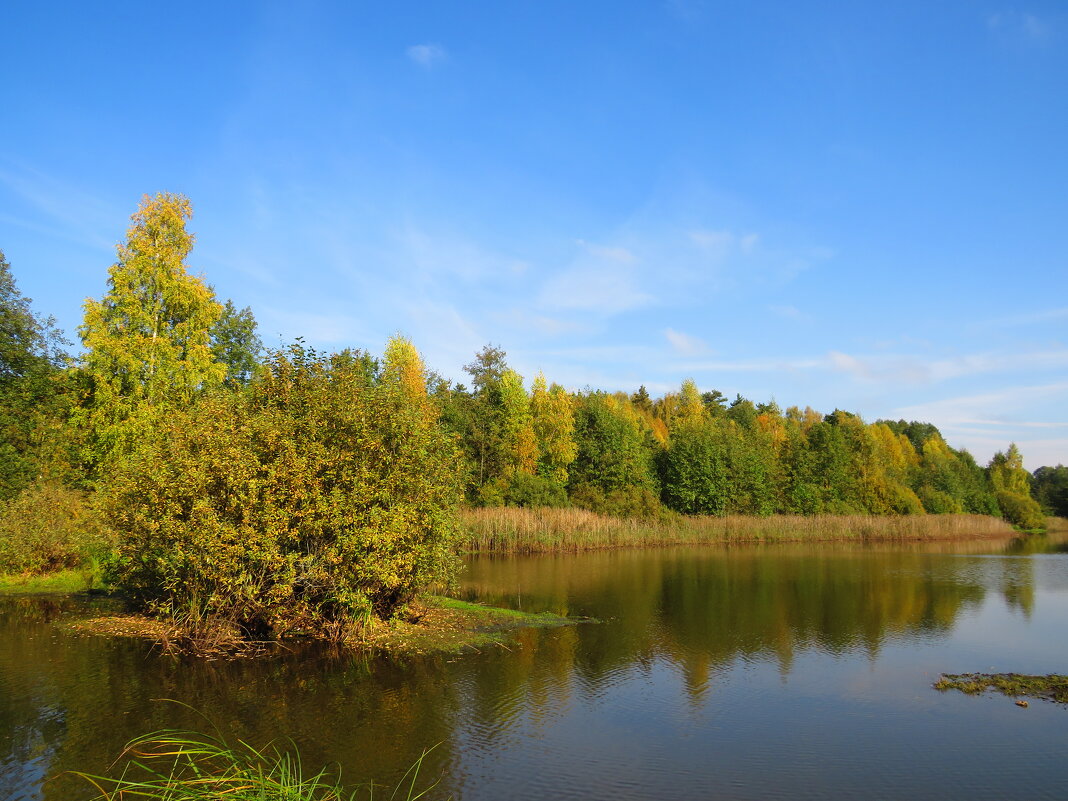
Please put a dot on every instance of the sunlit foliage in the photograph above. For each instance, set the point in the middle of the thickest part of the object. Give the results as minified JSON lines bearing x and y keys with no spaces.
{"x":313,"y":501}
{"x":148,"y":341}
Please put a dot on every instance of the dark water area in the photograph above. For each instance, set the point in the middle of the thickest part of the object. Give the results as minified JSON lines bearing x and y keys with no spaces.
{"x":741,"y":673}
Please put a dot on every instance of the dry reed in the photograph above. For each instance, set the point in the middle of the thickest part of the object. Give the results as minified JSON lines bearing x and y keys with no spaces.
{"x":534,"y":530}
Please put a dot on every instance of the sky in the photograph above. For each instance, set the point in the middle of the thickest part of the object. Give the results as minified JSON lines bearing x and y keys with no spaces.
{"x":843,"y":205}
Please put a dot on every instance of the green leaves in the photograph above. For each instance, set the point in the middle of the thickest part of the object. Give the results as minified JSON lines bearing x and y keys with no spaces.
{"x":310,"y":500}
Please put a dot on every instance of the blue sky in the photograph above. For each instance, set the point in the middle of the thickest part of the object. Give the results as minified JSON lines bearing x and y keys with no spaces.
{"x":853,"y":205}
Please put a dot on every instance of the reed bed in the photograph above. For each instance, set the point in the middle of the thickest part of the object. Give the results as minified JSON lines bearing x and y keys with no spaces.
{"x":539,"y":530}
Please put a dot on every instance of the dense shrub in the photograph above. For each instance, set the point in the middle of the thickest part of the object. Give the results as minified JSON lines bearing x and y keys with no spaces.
{"x":1021,"y":510}
{"x":49,"y":526}
{"x":316,"y":498}
{"x":938,"y":502}
{"x":626,"y":502}
{"x":523,"y":489}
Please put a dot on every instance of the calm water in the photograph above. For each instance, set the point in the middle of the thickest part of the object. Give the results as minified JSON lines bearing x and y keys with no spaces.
{"x":785,"y":672}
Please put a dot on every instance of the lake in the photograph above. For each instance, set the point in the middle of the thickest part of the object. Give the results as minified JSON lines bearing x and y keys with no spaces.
{"x":785,"y":671}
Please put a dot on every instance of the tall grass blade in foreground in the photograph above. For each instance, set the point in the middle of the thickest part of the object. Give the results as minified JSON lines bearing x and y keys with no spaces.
{"x":173,"y":765}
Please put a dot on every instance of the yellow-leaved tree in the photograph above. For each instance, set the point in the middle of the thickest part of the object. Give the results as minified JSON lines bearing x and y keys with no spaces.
{"x":148,"y":341}
{"x":554,"y":427}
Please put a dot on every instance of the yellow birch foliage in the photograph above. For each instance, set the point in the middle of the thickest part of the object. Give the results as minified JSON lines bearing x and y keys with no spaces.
{"x":554,"y":428}
{"x":147,"y":341}
{"x":404,"y":366}
{"x":517,"y":426}
{"x":690,"y":406}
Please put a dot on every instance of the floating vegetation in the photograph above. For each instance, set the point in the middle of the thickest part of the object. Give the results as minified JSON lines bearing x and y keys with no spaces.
{"x":1053,"y":687}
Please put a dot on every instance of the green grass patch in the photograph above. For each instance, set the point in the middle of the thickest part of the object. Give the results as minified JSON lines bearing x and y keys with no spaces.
{"x":448,"y":624}
{"x":63,"y":581}
{"x":1053,"y":687}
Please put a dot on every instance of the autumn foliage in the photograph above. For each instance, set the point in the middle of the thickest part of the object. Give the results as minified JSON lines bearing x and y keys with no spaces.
{"x":319,"y":498}
{"x":316,"y":492}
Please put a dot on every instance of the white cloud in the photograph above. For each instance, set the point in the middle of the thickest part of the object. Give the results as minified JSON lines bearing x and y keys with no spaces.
{"x":333,"y":329}
{"x":788,"y":312}
{"x":717,"y":245}
{"x":752,"y":366}
{"x":608,"y":253}
{"x":82,"y":217}
{"x":608,"y":291}
{"x":986,"y":422}
{"x":1020,"y":25}
{"x":427,"y":55}
{"x":445,"y":254}
{"x":685,"y":344}
{"x":517,"y":319}
{"x":987,"y":407}
{"x":914,"y":370}
{"x":1030,"y":318}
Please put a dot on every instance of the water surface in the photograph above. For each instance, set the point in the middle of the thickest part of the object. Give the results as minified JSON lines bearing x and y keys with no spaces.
{"x":742,"y":673}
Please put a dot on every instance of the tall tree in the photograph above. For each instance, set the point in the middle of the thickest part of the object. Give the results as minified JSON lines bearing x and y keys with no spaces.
{"x":31,"y":352}
{"x":1012,"y":484}
{"x":235,"y":343}
{"x":519,"y":452}
{"x":554,"y":426}
{"x":487,"y":369}
{"x":1050,"y":489}
{"x":691,"y":406}
{"x":148,"y":341}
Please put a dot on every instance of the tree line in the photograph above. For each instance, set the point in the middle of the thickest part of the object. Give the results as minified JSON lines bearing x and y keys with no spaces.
{"x":697,"y":453}
{"x":304,"y":490}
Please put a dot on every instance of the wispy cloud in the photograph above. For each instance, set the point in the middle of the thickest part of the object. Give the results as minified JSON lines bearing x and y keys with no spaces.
{"x":998,"y":407}
{"x":987,"y":421}
{"x":788,"y":312}
{"x":75,"y":215}
{"x":608,"y":252}
{"x":602,"y":278}
{"x":916,"y":370}
{"x":516,"y":318}
{"x":719,"y":245}
{"x":685,"y":344}
{"x":596,"y":289}
{"x":445,"y":254}
{"x":1019,"y":24}
{"x":339,"y":329}
{"x":427,"y":56}
{"x":752,"y":365}
{"x":1030,"y":318}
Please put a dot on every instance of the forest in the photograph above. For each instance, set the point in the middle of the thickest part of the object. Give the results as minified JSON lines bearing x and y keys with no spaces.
{"x":304,"y":490}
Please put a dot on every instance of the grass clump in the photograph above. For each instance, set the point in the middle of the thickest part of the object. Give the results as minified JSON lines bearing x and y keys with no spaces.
{"x":1053,"y":687}
{"x":533,"y":530}
{"x":190,"y":766}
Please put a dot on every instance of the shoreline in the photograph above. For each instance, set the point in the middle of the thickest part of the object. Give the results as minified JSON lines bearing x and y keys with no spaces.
{"x":435,"y":624}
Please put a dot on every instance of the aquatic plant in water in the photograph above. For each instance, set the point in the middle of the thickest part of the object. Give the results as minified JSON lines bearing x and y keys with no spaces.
{"x":172,"y":765}
{"x":1053,"y":687}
